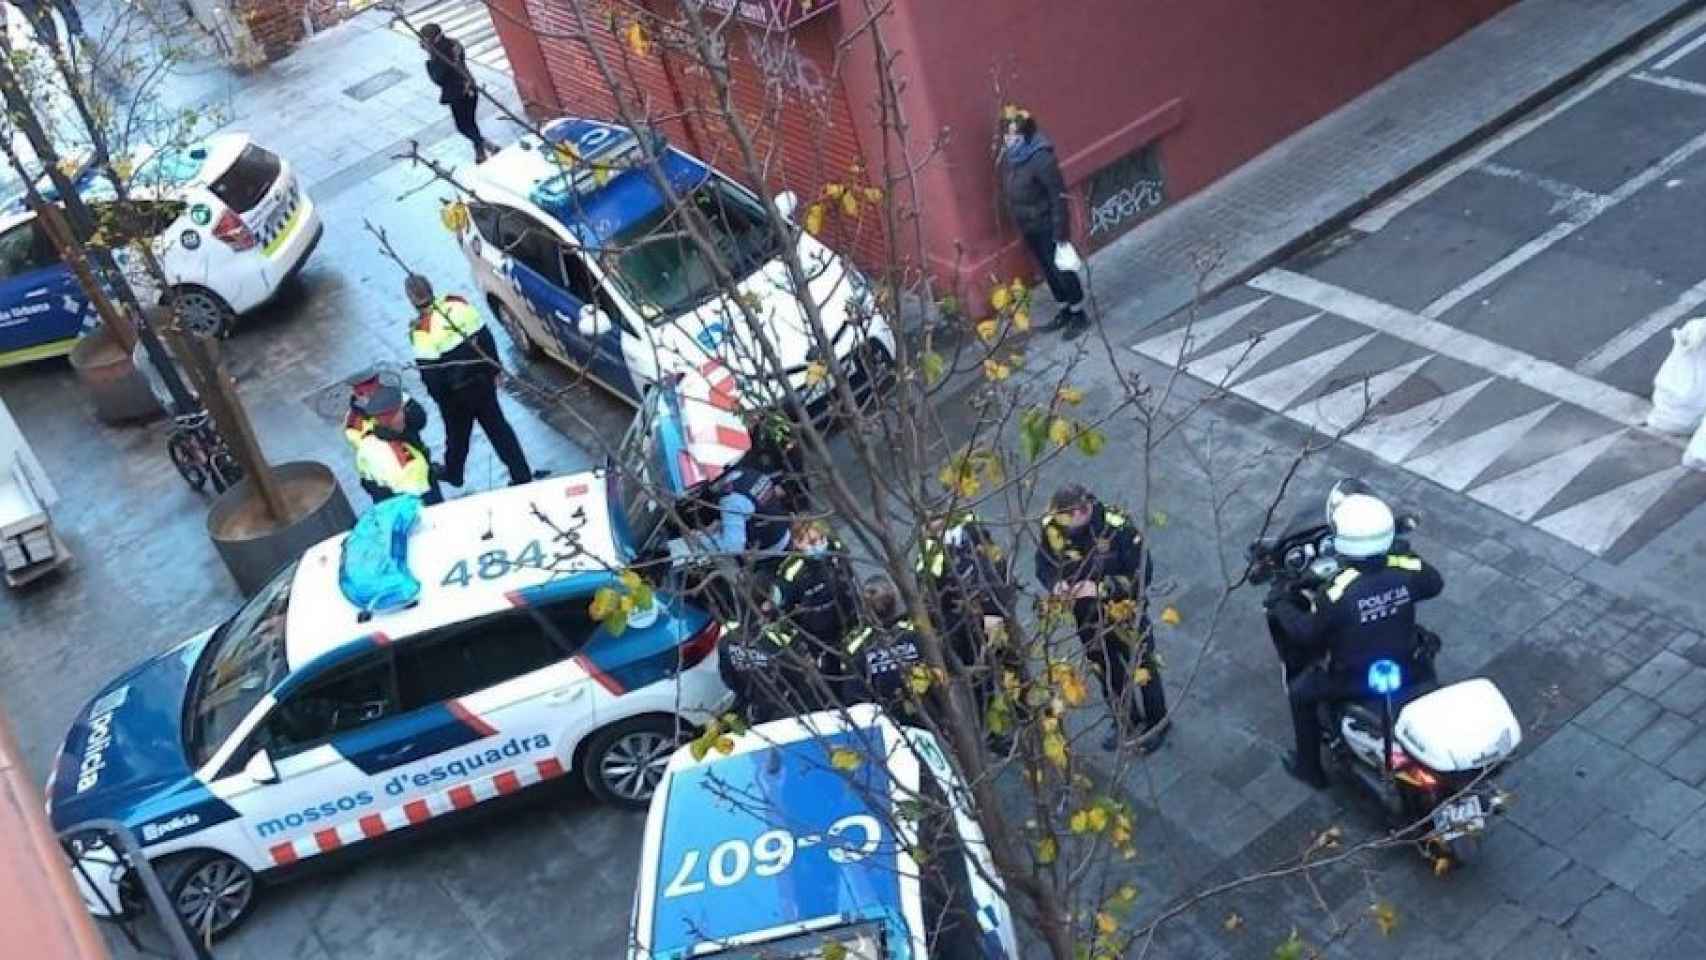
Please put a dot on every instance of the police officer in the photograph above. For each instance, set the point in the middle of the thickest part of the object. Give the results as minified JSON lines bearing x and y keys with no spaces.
{"x":813,"y":592}
{"x":1366,"y":613}
{"x":386,"y":459}
{"x":883,"y":654}
{"x":960,"y":563}
{"x":457,"y":359}
{"x":752,"y":513}
{"x":1092,"y":557}
{"x":357,"y":424}
{"x":757,"y":663}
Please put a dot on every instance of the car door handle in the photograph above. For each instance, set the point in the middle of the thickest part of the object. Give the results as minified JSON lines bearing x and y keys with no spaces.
{"x":390,"y":755}
{"x":37,"y":292}
{"x":562,"y":697}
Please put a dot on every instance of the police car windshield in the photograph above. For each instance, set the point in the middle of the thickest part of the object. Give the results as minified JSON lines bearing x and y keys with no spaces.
{"x":244,"y":660}
{"x":664,"y":272}
{"x":862,"y":941}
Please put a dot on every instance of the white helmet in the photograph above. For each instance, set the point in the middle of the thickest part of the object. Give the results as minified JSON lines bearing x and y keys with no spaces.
{"x":1362,"y":527}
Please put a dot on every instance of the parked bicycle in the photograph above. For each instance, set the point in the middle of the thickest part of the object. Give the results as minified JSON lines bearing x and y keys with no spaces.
{"x":201,"y":454}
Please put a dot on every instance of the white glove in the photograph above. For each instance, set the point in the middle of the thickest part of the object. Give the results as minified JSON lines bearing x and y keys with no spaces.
{"x":1066,"y":258}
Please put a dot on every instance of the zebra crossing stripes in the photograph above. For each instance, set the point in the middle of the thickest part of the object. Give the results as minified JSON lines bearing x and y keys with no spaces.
{"x":1525,"y":438}
{"x":469,"y":22}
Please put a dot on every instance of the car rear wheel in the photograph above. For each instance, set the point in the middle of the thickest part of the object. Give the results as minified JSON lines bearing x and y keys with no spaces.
{"x":212,"y":892}
{"x":203,"y":312}
{"x":525,"y":349}
{"x":625,"y":761}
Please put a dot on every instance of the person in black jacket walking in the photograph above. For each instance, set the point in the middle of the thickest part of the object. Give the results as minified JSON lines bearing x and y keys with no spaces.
{"x":457,"y":360}
{"x":1035,"y":194}
{"x":447,"y":66}
{"x":1092,"y":557}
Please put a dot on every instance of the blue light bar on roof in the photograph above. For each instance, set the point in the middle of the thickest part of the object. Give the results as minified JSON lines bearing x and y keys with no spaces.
{"x":603,"y":151}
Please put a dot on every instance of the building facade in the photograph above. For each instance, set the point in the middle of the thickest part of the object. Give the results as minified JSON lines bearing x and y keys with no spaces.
{"x":1147,"y":101}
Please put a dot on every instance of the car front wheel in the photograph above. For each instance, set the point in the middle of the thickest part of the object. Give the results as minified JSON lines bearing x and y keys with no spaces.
{"x":212,"y":892}
{"x":625,"y":761}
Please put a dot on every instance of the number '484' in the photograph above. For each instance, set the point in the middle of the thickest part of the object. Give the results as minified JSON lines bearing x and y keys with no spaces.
{"x":494,"y":565}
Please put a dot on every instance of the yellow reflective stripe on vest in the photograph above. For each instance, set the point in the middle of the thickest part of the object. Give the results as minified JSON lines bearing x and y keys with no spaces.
{"x":792,"y":568}
{"x":447,"y":325}
{"x":1403,"y":562}
{"x":857,"y":639}
{"x":1114,"y":518}
{"x":1346,"y":577}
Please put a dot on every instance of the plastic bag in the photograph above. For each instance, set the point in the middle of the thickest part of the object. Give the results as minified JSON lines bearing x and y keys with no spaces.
{"x":1066,"y":258}
{"x":373,"y":573}
{"x":1679,"y":388}
{"x":1694,"y":458}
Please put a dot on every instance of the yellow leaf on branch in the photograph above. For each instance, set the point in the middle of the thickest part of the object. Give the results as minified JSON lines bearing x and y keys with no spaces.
{"x":986,"y":330}
{"x":996,"y":370}
{"x":1054,"y":749}
{"x":814,"y":218}
{"x":1047,"y":850}
{"x":455,"y":216}
{"x":638,"y":42}
{"x":1060,"y":431}
{"x":842,"y":758}
{"x":815,"y":373}
{"x":1170,"y":616}
{"x":1106,"y":924}
{"x":1385,"y":917}
{"x":999,"y":298}
{"x":850,"y":204}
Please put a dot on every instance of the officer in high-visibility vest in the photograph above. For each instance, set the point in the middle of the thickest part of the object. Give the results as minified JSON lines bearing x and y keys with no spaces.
{"x":884,"y":656}
{"x":963,"y":567}
{"x":386,"y":460}
{"x":357,"y":424}
{"x":458,"y":361}
{"x":769,"y":666}
{"x":1092,"y":558}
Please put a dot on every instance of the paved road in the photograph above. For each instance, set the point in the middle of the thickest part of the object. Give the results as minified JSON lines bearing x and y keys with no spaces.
{"x":1505,"y":317}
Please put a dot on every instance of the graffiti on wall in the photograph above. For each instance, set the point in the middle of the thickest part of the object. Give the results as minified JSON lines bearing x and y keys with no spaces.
{"x":1119,"y":196}
{"x":787,"y":71}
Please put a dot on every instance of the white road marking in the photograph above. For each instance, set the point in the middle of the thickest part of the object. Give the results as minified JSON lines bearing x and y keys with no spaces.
{"x":1631,"y":339}
{"x":1220,"y":367}
{"x":1175,"y":345}
{"x":1675,"y":55}
{"x":1522,"y":493}
{"x":1671,"y":83}
{"x":1458,"y":464}
{"x":1352,"y":404}
{"x":1445,"y":340}
{"x":1383,"y":214}
{"x":1279,"y":389}
{"x":1597,"y":522}
{"x":1580,"y":218}
{"x":1569,"y":196}
{"x":1394,"y":437}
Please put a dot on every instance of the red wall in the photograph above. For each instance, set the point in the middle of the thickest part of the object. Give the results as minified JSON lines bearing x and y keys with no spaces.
{"x":1217,"y":80}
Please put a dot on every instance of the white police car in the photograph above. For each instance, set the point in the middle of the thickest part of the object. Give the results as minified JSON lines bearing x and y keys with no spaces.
{"x":586,"y":261}
{"x":298,"y":728}
{"x":229,"y":221}
{"x":772,"y":852}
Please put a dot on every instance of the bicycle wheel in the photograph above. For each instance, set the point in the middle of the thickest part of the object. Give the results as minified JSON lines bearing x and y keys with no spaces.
{"x":182,"y":449}
{"x":226,"y":472}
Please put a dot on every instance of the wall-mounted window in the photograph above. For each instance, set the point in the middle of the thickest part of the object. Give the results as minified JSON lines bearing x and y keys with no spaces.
{"x":1123,"y":194}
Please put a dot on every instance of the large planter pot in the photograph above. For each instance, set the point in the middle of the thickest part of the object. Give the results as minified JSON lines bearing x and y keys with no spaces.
{"x":111,"y":380}
{"x":253,"y":546}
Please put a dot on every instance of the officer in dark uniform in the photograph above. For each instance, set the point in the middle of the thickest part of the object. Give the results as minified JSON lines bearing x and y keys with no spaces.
{"x":960,"y":563}
{"x":1093,"y":558}
{"x":752,"y":510}
{"x":1366,"y":613}
{"x":814,"y":593}
{"x":767,"y":665}
{"x":883,"y":654}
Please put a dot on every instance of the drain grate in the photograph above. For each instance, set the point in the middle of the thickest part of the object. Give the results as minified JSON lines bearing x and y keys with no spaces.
{"x":331,"y":401}
{"x":376,"y":84}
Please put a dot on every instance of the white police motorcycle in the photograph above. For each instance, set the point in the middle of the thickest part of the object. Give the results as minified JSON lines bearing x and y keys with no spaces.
{"x":1426,"y":752}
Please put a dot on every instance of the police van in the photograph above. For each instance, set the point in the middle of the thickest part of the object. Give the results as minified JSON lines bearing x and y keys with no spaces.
{"x":306,"y":724}
{"x":776,"y":851}
{"x":581,"y":255}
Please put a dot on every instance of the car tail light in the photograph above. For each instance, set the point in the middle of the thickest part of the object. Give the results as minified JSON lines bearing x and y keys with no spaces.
{"x":233,"y":231}
{"x":700,"y":645}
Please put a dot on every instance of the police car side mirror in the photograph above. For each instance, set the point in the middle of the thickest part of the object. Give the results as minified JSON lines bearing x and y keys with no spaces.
{"x":593,"y":321}
{"x":786,"y":203}
{"x":260,"y":768}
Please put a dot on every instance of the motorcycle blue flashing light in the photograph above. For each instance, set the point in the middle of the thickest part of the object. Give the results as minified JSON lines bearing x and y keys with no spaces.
{"x":1384,"y":677}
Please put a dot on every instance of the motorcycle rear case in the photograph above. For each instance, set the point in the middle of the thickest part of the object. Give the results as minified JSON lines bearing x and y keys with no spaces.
{"x":1464,"y":726}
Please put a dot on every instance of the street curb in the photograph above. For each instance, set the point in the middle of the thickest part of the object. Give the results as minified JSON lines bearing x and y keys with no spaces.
{"x":1451,"y":151}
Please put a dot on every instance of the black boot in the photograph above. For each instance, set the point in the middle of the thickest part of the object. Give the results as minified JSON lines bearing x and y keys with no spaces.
{"x":1076,"y":324}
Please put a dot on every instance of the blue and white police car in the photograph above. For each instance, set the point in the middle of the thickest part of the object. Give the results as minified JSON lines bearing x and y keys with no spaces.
{"x":586,"y":260}
{"x":301,"y":726}
{"x":774,"y":852}
{"x":230,"y":225}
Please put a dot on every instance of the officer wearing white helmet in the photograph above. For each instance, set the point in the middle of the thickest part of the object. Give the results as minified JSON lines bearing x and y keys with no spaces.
{"x":1367,"y":612}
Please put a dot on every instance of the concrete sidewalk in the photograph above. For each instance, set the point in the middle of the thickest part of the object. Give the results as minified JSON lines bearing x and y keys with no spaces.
{"x":1320,"y":177}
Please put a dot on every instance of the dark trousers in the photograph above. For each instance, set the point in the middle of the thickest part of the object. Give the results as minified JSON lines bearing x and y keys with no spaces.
{"x":1310,"y":688}
{"x":462,"y":112}
{"x":378,"y":493}
{"x":461,"y":409}
{"x":1067,"y":291}
{"x":1113,"y":657}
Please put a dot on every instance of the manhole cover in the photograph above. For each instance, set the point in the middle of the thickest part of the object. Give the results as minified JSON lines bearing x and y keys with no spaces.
{"x":331,"y":401}
{"x":383,"y":80}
